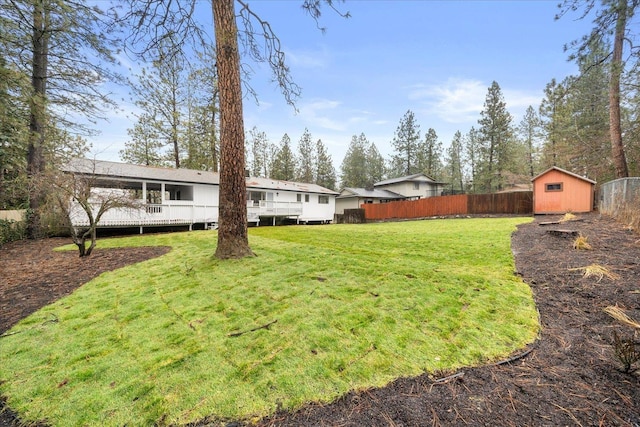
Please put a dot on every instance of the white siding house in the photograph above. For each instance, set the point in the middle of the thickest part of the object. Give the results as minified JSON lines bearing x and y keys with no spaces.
{"x":187,"y":197}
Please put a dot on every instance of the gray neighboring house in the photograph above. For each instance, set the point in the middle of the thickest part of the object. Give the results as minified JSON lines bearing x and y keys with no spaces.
{"x":352,"y":198}
{"x":410,"y":187}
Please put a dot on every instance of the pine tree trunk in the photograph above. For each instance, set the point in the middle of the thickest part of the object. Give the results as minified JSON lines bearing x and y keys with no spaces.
{"x":35,"y":150}
{"x":233,"y":241}
{"x":617,"y":148}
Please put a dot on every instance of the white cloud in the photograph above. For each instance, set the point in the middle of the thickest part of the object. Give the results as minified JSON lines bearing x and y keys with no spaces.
{"x":454,"y":101}
{"x":308,"y":58}
{"x":319,"y":113}
{"x":460,"y":101}
{"x":517,"y":102}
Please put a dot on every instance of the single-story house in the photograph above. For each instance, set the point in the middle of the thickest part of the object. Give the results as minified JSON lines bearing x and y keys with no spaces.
{"x":411,"y":187}
{"x":171,"y":196}
{"x":353,"y":198}
{"x":558,"y":191}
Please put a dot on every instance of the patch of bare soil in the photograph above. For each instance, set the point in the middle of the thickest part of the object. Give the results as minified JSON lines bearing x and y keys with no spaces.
{"x":570,"y":376}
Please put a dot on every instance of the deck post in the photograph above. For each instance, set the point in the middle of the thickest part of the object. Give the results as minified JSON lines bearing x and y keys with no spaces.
{"x":274,"y":221}
{"x":140,"y":229}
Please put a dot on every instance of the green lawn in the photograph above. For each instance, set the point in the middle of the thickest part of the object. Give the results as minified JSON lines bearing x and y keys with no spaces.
{"x":350,"y":307}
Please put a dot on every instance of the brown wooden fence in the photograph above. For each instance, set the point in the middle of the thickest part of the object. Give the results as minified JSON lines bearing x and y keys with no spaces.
{"x":520,"y":203}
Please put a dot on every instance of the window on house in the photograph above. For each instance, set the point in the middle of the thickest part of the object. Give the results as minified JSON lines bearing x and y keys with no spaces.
{"x":323,"y":200}
{"x":306,"y":198}
{"x":255,"y":197}
{"x":556,"y":186}
{"x":416,"y":185}
{"x":178,"y":192}
{"x":298,"y":197}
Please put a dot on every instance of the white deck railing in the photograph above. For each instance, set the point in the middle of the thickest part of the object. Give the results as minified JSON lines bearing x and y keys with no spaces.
{"x":183,"y":214}
{"x":271,"y":208}
{"x":152,"y":214}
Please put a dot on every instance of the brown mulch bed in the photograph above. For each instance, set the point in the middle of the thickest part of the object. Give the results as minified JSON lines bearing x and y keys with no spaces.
{"x":568,"y":377}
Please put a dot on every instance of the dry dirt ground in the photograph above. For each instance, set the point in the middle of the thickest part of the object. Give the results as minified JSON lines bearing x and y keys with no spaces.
{"x":569,"y":377}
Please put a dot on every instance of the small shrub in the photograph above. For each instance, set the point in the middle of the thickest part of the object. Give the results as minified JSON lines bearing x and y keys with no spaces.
{"x":10,"y":231}
{"x":568,"y":217}
{"x":626,"y":351}
{"x":582,"y":243}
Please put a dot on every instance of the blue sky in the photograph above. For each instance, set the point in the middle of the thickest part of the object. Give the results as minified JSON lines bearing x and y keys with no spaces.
{"x":436,"y":58}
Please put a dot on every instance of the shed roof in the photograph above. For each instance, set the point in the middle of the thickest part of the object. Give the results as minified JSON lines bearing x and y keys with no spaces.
{"x":563,"y":171}
{"x":154,"y":173}
{"x":349,"y":192}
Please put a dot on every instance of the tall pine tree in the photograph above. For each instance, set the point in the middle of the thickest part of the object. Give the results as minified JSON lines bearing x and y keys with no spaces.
{"x":406,"y":143}
{"x":496,"y":140}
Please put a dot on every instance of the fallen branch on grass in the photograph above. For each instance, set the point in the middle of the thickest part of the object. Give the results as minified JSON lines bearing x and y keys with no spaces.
{"x":265,"y":326}
{"x":54,"y":319}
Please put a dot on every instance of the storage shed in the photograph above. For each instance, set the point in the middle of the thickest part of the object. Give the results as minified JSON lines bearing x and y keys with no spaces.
{"x":557,"y":191}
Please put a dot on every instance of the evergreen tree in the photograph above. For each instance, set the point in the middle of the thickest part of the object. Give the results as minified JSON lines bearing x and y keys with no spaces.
{"x":144,"y":146}
{"x":161,"y":93}
{"x":454,"y":164}
{"x":631,"y":122}
{"x":406,"y":144}
{"x":575,"y":119}
{"x":353,"y":171}
{"x":13,"y":138}
{"x":472,"y":149}
{"x":590,"y":151}
{"x":202,"y":135}
{"x":429,"y":155}
{"x":375,"y":166}
{"x":611,"y":20}
{"x":496,"y":139}
{"x":555,"y":117}
{"x":305,"y":159}
{"x":529,"y":131}
{"x":67,"y":65}
{"x":325,"y":172}
{"x":283,"y":166}
{"x":258,"y":153}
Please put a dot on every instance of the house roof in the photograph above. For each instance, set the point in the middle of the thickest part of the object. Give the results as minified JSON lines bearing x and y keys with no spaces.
{"x":274,"y":184}
{"x":563,"y":171}
{"x":129,"y":171}
{"x":417,"y":177}
{"x":349,"y":192}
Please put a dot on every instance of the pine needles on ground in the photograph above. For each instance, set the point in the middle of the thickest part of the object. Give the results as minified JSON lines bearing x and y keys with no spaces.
{"x":598,"y":271}
{"x":622,"y":317}
{"x":581,"y":243}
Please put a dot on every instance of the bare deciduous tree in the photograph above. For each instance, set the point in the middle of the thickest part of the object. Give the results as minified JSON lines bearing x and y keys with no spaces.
{"x":83,"y":199}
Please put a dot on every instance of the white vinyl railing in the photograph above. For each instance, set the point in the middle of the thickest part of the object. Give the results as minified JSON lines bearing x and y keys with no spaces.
{"x":271,"y":208}
{"x":182,"y":214}
{"x":152,"y":214}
